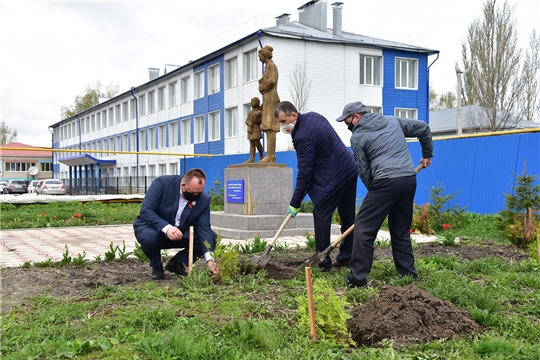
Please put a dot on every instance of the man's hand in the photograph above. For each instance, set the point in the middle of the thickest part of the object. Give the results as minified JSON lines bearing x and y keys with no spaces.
{"x":293,"y":211}
{"x":174,"y":234}
{"x":425,"y":162}
{"x":213,"y":267}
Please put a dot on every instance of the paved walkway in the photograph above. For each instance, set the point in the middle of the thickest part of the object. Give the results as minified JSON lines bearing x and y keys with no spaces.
{"x":35,"y":245}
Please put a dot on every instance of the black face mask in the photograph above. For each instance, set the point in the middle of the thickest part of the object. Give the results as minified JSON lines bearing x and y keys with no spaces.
{"x":350,"y":126}
{"x":190,"y":196}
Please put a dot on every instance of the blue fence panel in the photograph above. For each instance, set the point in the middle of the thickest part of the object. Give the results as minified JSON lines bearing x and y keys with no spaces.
{"x":479,"y":170}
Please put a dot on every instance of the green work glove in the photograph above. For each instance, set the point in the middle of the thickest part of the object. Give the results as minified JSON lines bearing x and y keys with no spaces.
{"x":293,"y":211}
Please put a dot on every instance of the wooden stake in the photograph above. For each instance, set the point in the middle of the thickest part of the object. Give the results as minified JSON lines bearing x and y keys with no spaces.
{"x":190,"y":250}
{"x":311,"y":304}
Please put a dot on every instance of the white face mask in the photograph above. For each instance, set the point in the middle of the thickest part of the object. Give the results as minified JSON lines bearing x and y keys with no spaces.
{"x":288,"y":128}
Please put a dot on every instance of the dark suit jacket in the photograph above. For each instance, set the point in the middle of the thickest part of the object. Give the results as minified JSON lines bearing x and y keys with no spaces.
{"x":159,"y":209}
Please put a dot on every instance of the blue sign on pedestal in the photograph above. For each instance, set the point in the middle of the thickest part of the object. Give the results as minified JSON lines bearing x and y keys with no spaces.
{"x":235,"y":191}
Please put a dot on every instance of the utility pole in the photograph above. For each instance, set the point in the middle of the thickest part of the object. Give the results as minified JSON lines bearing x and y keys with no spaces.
{"x":459,"y":125}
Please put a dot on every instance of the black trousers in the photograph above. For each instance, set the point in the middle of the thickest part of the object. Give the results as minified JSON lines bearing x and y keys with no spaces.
{"x":387,"y":197}
{"x":345,"y":201}
{"x":153,"y":241}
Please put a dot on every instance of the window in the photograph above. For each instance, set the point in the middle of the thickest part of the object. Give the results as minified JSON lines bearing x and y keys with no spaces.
{"x":185,"y":90}
{"x":185,"y":131}
{"x":231,"y":122}
{"x":93,"y":123}
{"x":151,"y":138}
{"x":118,"y":145}
{"x":173,"y":134}
{"x":98,"y":147}
{"x":370,"y":70}
{"x":142,"y":140}
{"x":406,"y":73}
{"x":198,"y":90}
{"x":132,"y":109}
{"x":213,"y":126}
{"x":162,"y":136}
{"x":69,"y":130}
{"x":173,"y":167}
{"x":74,"y":130}
{"x":125,"y":142}
{"x":111,"y":114}
{"x":142,"y":105}
{"x":161,"y":98}
{"x":117,"y":114}
{"x":111,"y":145}
{"x":231,"y":70}
{"x":213,"y":79}
{"x":98,"y":121}
{"x":133,"y":142}
{"x":104,"y":119}
{"x":172,"y":94}
{"x":247,"y":109}
{"x":373,"y":109}
{"x":142,"y":171}
{"x":162,"y":169}
{"x":19,"y":166}
{"x":151,"y":102}
{"x":152,"y":170}
{"x":46,"y":166}
{"x":406,"y":113}
{"x":125,"y":111}
{"x":87,"y":122}
{"x":250,"y":65}
{"x":198,"y":130}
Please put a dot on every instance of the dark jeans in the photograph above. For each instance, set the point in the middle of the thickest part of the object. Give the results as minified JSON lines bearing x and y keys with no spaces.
{"x":345,"y":201}
{"x":153,"y":241}
{"x":388,"y":197}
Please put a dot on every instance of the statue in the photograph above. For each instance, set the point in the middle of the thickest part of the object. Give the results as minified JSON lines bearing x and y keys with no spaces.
{"x":253,"y":122}
{"x":268,"y":89}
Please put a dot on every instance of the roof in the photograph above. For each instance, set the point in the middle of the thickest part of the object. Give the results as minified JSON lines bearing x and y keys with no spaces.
{"x":445,"y":121}
{"x":298,"y":30}
{"x":19,"y":149}
{"x":85,"y":159}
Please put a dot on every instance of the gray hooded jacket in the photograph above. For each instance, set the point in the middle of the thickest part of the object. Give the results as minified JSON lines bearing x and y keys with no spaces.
{"x":380,"y":149}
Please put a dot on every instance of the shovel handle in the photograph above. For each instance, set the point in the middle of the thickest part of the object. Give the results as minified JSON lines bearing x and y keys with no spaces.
{"x":341,"y":237}
{"x":281,"y":229}
{"x":418,"y":168}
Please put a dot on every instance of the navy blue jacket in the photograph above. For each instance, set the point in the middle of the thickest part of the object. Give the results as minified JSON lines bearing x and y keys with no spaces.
{"x":159,"y":209}
{"x":324,"y":162}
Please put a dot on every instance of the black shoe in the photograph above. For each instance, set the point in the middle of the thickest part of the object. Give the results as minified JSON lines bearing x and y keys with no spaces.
{"x":352,"y":283}
{"x":326,"y":269}
{"x":176,"y":266}
{"x":158,"y":273}
{"x":341,"y":263}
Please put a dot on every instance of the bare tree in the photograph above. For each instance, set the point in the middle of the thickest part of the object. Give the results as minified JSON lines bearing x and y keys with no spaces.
{"x":530,"y":80}
{"x":300,"y":89}
{"x":493,"y":59}
{"x":446,"y":100}
{"x":7,"y":134}
{"x":89,"y":98}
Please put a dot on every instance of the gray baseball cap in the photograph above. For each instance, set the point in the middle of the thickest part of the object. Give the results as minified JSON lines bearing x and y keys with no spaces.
{"x":351,"y":108}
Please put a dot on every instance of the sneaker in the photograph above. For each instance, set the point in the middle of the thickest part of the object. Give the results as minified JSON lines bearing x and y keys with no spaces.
{"x":158,"y":273}
{"x":341,"y":263}
{"x":176,"y":266}
{"x":352,"y":283}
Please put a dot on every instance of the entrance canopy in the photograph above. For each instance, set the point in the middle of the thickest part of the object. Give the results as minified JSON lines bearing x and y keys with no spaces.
{"x":85,"y":159}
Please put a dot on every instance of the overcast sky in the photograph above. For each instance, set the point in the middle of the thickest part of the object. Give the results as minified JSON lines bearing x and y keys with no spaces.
{"x":50,"y":51}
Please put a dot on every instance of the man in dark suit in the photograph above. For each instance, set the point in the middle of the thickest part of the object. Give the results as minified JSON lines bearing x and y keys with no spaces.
{"x":172,"y":204}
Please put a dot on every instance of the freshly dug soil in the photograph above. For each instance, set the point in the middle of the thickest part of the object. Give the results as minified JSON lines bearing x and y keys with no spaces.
{"x":408,"y":315}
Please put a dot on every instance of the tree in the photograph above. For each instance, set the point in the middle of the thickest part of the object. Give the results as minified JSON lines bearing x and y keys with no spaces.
{"x":530,"y":80}
{"x":300,"y":90}
{"x":89,"y":98}
{"x":446,"y":100}
{"x":490,"y":53}
{"x":7,"y":135}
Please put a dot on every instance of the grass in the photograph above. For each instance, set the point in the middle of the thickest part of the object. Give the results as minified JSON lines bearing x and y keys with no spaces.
{"x":254,"y":316}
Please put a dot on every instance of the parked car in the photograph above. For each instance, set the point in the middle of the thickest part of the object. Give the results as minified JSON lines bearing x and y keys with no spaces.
{"x":32,"y":186}
{"x":51,"y":187}
{"x":16,"y":187}
{"x":3,"y":186}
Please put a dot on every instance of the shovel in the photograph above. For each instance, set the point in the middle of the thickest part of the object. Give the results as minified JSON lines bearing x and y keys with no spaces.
{"x":319,"y":257}
{"x":264,"y":258}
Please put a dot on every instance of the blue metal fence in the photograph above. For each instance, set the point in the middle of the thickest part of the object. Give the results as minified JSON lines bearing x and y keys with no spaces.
{"x":479,"y":169}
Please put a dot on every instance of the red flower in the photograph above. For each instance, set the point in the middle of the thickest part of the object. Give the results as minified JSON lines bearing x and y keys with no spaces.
{"x":446,"y":226}
{"x":54,"y":216}
{"x":77,"y":215}
{"x":42,"y":214}
{"x":410,"y":231}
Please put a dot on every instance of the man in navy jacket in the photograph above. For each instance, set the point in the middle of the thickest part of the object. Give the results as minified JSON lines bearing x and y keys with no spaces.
{"x":172,"y":204}
{"x":326,"y":172}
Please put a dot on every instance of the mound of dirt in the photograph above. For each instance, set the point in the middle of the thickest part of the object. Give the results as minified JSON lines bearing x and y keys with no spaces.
{"x":408,"y":315}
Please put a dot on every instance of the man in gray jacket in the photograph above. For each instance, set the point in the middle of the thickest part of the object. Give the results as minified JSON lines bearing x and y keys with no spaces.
{"x":387,"y":170}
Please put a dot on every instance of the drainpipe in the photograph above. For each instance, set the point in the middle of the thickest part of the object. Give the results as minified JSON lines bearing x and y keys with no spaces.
{"x":52,"y":147}
{"x":80,"y":136}
{"x":427,"y":115}
{"x":136,"y":133}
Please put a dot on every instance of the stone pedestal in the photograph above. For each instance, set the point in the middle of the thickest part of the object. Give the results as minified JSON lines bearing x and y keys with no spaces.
{"x":267,"y":192}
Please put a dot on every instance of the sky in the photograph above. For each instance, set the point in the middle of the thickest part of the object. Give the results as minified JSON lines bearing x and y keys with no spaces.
{"x":51,"y":51}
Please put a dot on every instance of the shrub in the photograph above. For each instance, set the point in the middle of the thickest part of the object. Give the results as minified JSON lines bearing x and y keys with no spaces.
{"x":440,"y":211}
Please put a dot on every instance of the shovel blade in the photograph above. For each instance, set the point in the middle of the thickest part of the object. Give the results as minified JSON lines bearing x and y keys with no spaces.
{"x":316,"y":259}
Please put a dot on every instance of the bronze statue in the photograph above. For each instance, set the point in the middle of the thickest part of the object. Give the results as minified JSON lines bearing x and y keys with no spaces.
{"x":253,"y":122}
{"x":268,"y":89}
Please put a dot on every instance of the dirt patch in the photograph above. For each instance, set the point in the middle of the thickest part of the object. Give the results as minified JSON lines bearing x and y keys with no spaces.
{"x":19,"y":284}
{"x":408,"y":315}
